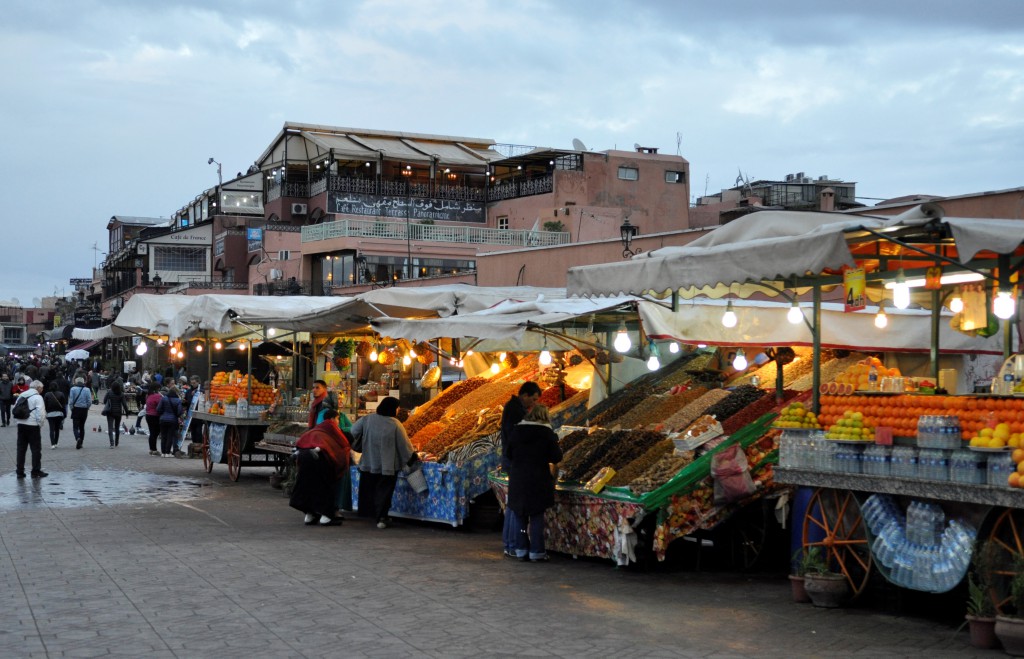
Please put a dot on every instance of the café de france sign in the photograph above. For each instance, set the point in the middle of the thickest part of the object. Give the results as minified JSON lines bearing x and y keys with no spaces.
{"x":414,"y":208}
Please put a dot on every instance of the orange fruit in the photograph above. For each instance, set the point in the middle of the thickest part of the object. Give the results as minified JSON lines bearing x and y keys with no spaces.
{"x":1014,"y":479}
{"x":1020,"y":468}
{"x":1018,"y":455}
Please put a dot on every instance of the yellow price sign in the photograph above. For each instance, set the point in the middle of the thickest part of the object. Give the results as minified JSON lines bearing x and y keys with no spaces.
{"x":854,"y":285}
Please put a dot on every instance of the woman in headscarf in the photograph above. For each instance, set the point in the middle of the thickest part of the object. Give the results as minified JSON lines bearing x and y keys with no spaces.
{"x":322,"y":457}
{"x":386,"y":450}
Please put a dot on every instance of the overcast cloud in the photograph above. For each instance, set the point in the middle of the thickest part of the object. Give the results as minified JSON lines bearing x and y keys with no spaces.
{"x":112,"y":108}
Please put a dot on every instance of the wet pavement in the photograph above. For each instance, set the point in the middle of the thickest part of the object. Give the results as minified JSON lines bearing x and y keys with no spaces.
{"x":119,"y":553}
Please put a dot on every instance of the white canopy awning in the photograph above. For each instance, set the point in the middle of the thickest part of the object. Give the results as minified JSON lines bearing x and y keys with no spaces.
{"x":772,"y":245}
{"x":504,"y":326}
{"x":763,"y":323}
{"x":452,"y":299}
{"x":143,"y":313}
{"x":221,"y":314}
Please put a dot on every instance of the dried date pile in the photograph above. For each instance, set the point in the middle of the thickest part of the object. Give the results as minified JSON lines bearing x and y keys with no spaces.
{"x":660,"y":472}
{"x":737,"y":399}
{"x":570,"y":441}
{"x":754,"y":411}
{"x":578,"y":460}
{"x":684,"y":417}
{"x":638,"y":466}
{"x":622,"y":448}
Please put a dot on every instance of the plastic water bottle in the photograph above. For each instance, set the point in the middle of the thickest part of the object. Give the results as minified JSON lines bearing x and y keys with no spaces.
{"x":873,"y":379}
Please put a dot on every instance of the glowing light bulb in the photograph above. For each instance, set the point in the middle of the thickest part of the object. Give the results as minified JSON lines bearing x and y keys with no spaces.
{"x":1004,"y":306}
{"x":218,"y":345}
{"x":501,"y":356}
{"x":900,"y":291}
{"x":159,"y":342}
{"x":241,"y":345}
{"x":495,"y":368}
{"x":373,"y":355}
{"x":729,"y":317}
{"x":469,"y":353}
{"x":272,"y":331}
{"x":141,"y":349}
{"x":794,"y":315}
{"x":545,"y":358}
{"x":956,"y":304}
{"x":740,"y":361}
{"x":673,"y":347}
{"x":199,"y":347}
{"x":622,"y":342}
{"x":652,"y":363}
{"x":406,"y":360}
{"x":412,"y":353}
{"x":881,"y":320}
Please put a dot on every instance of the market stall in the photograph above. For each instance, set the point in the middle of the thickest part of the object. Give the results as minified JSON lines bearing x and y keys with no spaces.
{"x":903,"y":476}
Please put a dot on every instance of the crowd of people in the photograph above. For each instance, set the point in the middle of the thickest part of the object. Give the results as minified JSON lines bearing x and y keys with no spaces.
{"x":56,"y":390}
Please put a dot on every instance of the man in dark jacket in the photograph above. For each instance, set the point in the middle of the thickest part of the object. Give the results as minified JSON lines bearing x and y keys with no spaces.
{"x":6,"y":398}
{"x":514,"y":411}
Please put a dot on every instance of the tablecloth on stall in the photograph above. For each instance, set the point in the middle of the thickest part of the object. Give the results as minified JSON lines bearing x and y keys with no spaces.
{"x":452,"y":486}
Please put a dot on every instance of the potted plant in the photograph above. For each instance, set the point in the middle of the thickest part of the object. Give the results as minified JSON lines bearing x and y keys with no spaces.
{"x":343,"y":349}
{"x":981,"y":608}
{"x":826,"y":588}
{"x":1010,"y":628}
{"x":802,"y":561}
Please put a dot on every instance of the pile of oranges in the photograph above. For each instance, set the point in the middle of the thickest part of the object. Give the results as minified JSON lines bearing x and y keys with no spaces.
{"x":901,"y":412}
{"x":859,"y":374}
{"x":1016,"y":478}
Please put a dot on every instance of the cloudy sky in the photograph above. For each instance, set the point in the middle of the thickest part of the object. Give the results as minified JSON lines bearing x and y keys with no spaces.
{"x":112,"y":107}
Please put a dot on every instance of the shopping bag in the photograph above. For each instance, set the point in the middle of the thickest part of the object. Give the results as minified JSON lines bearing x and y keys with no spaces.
{"x":731,"y":474}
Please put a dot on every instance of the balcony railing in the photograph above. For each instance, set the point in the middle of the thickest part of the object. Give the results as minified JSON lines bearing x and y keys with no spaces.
{"x":206,"y":284}
{"x":432,"y":233}
{"x":332,"y":183}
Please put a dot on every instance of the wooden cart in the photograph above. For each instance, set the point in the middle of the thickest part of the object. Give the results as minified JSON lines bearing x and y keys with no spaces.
{"x":233,"y":441}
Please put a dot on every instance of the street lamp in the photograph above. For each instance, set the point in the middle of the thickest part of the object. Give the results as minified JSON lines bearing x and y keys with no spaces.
{"x":628,"y":232}
{"x":220,"y":178}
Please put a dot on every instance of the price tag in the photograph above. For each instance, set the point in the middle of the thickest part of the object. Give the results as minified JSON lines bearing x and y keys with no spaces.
{"x":883,"y":436}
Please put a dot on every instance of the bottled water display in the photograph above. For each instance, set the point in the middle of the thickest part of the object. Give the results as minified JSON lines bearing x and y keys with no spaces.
{"x":938,"y":431}
{"x":903,"y":461}
{"x":933,"y":464}
{"x":920,"y":550}
{"x":999,"y":467}
{"x":875,"y":460}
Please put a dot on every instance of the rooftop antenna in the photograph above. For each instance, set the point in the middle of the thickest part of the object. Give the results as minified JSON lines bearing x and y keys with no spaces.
{"x":95,"y":255}
{"x":679,"y":144}
{"x":578,"y":145}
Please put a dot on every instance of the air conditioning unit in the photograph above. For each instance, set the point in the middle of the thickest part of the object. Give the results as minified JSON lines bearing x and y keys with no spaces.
{"x":276,"y":274}
{"x":299,"y":209}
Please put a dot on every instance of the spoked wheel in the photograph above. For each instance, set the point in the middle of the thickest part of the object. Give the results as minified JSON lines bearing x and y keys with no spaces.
{"x":207,"y":458}
{"x":234,"y":454}
{"x":1007,"y":550}
{"x":834,"y":523}
{"x":748,"y":530}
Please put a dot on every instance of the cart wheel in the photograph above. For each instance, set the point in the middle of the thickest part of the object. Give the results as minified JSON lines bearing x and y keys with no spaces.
{"x":280,"y":464}
{"x":748,"y":530}
{"x":834,"y":516}
{"x":234,"y":454}
{"x":1008,"y":548}
{"x":207,"y":458}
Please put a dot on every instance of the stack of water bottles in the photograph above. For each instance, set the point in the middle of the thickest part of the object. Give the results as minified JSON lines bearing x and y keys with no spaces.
{"x":920,"y":550}
{"x":803,"y":449}
{"x":968,"y":467}
{"x":933,"y":464}
{"x":876,"y":460}
{"x":938,"y":431}
{"x":999,"y":467}
{"x":903,"y":462}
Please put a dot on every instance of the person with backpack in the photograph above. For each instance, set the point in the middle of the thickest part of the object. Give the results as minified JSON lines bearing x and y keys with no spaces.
{"x":169,"y":410}
{"x":55,"y":405}
{"x":30,"y":429}
{"x":80,"y":399}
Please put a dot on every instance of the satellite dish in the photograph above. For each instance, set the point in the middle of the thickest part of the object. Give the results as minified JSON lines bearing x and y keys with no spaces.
{"x":578,"y":145}
{"x":636,"y":145}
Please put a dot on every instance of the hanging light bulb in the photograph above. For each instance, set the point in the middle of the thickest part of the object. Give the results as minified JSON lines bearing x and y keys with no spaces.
{"x":271,"y":331}
{"x":881,"y":320}
{"x":159,"y":342}
{"x":653,"y":364}
{"x":956,"y":303}
{"x":406,"y":360}
{"x":218,"y":345}
{"x":469,"y":353}
{"x":729,"y":317}
{"x":900,"y":291}
{"x":545,"y":354}
{"x":1004,"y":305}
{"x":373,"y":354}
{"x":622,"y":342}
{"x":501,"y":356}
{"x":673,"y":347}
{"x":412,"y":353}
{"x":241,"y":345}
{"x":794,"y":315}
{"x":199,"y":347}
{"x":740,"y":361}
{"x":141,"y":349}
{"x":495,"y":367}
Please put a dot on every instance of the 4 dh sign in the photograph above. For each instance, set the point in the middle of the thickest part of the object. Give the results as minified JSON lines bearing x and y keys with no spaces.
{"x":853,"y":287}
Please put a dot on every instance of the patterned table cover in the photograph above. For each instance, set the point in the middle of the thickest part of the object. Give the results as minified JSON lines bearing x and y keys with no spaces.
{"x":452,"y":487}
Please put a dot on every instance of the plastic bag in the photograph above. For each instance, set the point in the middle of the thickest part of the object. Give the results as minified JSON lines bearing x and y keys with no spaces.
{"x":731,"y":473}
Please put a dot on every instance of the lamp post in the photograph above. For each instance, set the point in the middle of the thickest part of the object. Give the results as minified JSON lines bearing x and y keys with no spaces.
{"x":220,"y":178}
{"x":628,"y":232}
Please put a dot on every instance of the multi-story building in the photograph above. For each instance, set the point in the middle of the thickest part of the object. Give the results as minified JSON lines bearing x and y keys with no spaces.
{"x":796,"y":192}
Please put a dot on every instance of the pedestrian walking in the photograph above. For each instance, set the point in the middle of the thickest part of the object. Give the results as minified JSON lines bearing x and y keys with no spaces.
{"x":30,"y":432}
{"x":55,"y":405}
{"x":113,"y":404}
{"x":80,"y":399}
{"x":152,"y":418}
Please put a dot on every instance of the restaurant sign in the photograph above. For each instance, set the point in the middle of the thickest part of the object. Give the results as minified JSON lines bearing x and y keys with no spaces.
{"x":413,"y":208}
